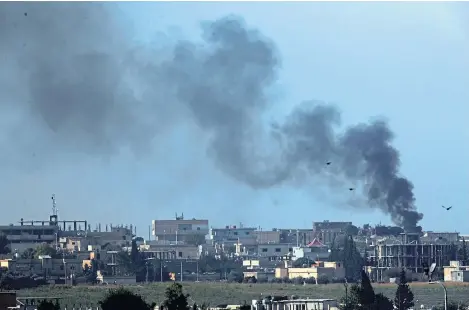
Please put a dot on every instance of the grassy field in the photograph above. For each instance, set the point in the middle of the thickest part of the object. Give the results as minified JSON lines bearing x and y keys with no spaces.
{"x":218,"y":293}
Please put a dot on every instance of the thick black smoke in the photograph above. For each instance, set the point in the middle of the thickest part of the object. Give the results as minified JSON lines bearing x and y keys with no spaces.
{"x":73,"y":72}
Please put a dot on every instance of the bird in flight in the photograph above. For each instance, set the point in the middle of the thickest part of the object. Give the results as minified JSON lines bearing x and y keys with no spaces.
{"x":351,"y":189}
{"x":328,"y":163}
{"x":447,"y":208}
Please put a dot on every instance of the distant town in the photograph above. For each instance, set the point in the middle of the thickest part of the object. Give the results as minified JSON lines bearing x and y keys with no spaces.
{"x":59,"y":251}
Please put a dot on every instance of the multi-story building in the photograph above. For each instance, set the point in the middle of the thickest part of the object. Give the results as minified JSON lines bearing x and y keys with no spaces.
{"x":327,"y":231}
{"x":297,"y":237}
{"x":408,"y":251}
{"x":233,"y":234}
{"x":180,"y":230}
{"x":30,"y":234}
{"x":315,"y":251}
{"x":152,"y":249}
{"x":268,"y":236}
{"x":445,"y":236}
{"x":50,"y":268}
{"x":274,"y":251}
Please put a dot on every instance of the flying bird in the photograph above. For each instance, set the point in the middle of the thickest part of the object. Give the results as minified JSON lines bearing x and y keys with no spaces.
{"x":328,"y":163}
{"x":447,"y":208}
{"x":351,"y":189}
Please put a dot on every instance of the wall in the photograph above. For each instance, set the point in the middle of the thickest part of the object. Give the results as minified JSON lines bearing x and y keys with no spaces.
{"x":180,"y":251}
{"x":273,"y":250}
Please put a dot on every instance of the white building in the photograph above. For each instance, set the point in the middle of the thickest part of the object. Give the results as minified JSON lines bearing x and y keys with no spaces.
{"x":315,"y":251}
{"x":295,"y":304}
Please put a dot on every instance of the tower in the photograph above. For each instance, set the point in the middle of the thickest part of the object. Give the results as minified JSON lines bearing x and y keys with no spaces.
{"x":53,"y":219}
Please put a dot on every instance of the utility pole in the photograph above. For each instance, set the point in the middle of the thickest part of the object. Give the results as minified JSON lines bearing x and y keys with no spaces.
{"x":197,"y":272}
{"x":181,"y":271}
{"x":161,"y":270}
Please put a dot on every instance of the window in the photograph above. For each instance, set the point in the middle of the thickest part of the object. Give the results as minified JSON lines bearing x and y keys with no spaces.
{"x":180,"y":254}
{"x":247,"y":233}
{"x":278,"y":250}
{"x":198,"y":228}
{"x":264,"y":250}
{"x":235,"y":233}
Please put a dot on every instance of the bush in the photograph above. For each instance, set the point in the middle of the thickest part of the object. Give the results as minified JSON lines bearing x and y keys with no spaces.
{"x":276,"y":280}
{"x":123,"y":299}
{"x":262,"y":279}
{"x":48,"y":305}
{"x":323,"y":279}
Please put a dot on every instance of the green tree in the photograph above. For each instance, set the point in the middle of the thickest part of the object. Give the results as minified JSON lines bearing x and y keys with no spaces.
{"x":302,"y":262}
{"x":175,"y":299}
{"x":44,"y":250}
{"x":123,"y":299}
{"x":404,"y":298}
{"x":29,"y":253}
{"x":352,"y":299}
{"x":48,"y":305}
{"x":4,"y":244}
{"x":235,"y":276}
{"x":383,"y":303}
{"x":367,"y":298}
{"x":351,"y":230}
{"x":353,"y":261}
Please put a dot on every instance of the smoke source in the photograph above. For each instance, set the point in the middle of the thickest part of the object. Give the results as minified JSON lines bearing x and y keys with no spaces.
{"x":71,"y":71}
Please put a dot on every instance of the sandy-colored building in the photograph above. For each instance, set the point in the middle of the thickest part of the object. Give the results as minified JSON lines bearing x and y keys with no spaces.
{"x":329,"y":269}
{"x":191,"y":231}
{"x":456,"y":272}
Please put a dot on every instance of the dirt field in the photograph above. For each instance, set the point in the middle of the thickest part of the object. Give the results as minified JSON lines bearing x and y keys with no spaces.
{"x":218,"y":293}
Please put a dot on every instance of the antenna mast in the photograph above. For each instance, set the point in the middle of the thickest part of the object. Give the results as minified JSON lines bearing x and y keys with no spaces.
{"x":54,"y":205}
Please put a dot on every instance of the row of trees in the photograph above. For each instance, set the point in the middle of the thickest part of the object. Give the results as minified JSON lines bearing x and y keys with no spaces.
{"x":123,"y":299}
{"x":362,"y":296}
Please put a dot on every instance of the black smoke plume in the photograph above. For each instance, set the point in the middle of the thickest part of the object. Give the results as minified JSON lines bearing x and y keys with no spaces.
{"x":72,"y":71}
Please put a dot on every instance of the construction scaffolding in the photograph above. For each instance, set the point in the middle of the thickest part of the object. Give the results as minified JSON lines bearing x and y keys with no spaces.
{"x":408,"y":252}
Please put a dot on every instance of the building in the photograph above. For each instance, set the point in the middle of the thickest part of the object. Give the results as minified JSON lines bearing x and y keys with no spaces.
{"x":266,"y":236}
{"x":326,"y":231}
{"x":180,"y":230}
{"x":331,"y":270}
{"x":115,"y":279}
{"x":296,"y":237}
{"x":274,"y":251}
{"x":283,"y":303}
{"x":315,"y":250}
{"x":456,"y":272}
{"x":116,"y":237}
{"x":445,"y":236}
{"x":50,"y":268}
{"x":170,"y":251}
{"x":407,"y":251}
{"x":30,"y":234}
{"x":233,"y":234}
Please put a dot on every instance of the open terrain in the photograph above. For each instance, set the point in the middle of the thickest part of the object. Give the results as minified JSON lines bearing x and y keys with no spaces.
{"x":231,"y":293}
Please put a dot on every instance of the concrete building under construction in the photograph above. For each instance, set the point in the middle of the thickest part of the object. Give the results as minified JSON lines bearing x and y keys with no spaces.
{"x":407,"y":251}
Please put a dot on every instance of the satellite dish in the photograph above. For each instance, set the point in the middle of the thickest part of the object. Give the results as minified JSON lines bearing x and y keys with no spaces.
{"x":432,"y":269}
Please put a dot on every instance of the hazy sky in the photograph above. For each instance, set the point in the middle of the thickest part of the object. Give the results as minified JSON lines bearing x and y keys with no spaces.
{"x":408,"y":62}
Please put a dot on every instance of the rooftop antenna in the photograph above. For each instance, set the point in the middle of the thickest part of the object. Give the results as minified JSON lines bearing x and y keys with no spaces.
{"x":54,"y":205}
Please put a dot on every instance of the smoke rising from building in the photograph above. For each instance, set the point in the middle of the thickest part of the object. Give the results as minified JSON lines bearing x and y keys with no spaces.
{"x":73,"y":72}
